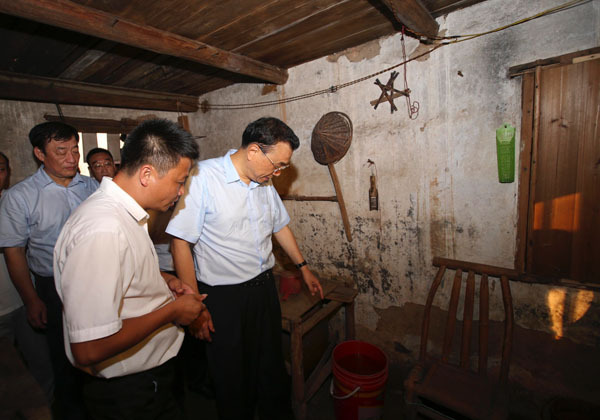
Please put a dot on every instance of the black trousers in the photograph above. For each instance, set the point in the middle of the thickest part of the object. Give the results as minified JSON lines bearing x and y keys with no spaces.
{"x":144,"y":395}
{"x":68,"y":381}
{"x":245,"y":357}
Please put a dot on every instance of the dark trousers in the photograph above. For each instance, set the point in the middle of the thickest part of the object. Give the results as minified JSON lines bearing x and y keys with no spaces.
{"x":144,"y":395}
{"x":68,"y":381}
{"x":192,"y":369}
{"x":245,"y":358}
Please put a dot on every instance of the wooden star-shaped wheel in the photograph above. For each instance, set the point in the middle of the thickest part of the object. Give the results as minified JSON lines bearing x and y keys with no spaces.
{"x":389,"y":93}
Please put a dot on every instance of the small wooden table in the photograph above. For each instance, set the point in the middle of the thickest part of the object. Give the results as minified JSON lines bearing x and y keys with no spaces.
{"x":302,"y":312}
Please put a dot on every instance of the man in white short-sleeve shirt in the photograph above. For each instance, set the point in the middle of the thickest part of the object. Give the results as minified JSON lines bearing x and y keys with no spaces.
{"x":121,"y":316}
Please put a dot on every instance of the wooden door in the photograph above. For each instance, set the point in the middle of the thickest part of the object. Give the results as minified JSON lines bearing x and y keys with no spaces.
{"x":563,"y":235}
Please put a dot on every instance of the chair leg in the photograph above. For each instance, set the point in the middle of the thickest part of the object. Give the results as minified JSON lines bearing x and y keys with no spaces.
{"x":414,"y":376}
{"x":410,"y":410}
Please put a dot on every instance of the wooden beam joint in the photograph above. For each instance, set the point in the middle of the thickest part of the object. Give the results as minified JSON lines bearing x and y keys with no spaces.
{"x":414,"y":15}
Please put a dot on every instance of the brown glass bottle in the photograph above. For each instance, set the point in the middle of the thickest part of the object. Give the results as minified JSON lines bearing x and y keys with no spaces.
{"x":373,"y":194}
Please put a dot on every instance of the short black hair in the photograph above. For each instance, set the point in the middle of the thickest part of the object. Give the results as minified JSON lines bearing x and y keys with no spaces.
{"x":96,"y":150}
{"x":268,"y":132}
{"x":5,"y":158}
{"x":160,"y":143}
{"x":41,"y":134}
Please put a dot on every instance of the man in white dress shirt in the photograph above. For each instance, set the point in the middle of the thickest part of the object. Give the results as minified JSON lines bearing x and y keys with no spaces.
{"x":122,"y":317}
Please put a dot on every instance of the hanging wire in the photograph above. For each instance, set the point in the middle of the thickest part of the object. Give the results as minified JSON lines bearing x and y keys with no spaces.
{"x":412,"y":107}
{"x":373,"y":167}
{"x":441,"y":42}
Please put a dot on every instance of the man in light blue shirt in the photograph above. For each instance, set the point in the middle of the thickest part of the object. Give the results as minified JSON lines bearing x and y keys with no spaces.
{"x":229,"y":213}
{"x":32,"y":214}
{"x":13,"y":317}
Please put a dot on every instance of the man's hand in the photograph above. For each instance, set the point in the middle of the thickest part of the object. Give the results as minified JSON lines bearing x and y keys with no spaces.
{"x":16,"y":262}
{"x":202,"y":326}
{"x":36,"y":313}
{"x":312,"y":282}
{"x":188,"y":308}
{"x":177,"y":286}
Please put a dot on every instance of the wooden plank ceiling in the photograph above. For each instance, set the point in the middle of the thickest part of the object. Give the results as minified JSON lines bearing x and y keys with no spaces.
{"x":153,"y":54}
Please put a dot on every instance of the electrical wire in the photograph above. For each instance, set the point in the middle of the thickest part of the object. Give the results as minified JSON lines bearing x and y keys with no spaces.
{"x":457,"y":38}
{"x":332,"y":89}
{"x":441,"y":42}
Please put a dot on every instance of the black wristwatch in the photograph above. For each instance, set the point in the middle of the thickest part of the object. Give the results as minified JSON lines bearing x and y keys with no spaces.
{"x":300,"y":265}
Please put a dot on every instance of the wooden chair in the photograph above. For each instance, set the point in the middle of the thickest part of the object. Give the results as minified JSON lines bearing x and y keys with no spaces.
{"x":447,"y":386}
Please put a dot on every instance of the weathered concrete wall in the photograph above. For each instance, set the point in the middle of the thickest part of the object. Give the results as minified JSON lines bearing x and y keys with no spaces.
{"x":437,"y":177}
{"x":17,"y":118}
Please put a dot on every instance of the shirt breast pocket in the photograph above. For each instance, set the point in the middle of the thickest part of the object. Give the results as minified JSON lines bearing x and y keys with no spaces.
{"x":266,"y":217}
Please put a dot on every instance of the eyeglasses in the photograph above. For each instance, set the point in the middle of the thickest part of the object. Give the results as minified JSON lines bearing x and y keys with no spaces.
{"x":278,"y":169}
{"x":102,"y":164}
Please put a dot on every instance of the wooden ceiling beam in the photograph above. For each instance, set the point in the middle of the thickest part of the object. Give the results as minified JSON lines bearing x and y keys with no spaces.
{"x":19,"y":87}
{"x":72,"y":16}
{"x":98,"y":125}
{"x":413,"y":15}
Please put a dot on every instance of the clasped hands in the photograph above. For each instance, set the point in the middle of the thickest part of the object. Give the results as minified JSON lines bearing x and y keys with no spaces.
{"x":201,"y":326}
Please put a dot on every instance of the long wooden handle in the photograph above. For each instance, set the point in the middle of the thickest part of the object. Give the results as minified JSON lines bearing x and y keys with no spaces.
{"x":340,"y":199}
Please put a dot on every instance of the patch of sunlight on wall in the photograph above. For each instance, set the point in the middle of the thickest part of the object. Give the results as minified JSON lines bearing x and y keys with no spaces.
{"x":538,"y":215}
{"x":578,"y":303}
{"x":582,"y":303}
{"x":564,"y":214}
{"x":556,"y":306}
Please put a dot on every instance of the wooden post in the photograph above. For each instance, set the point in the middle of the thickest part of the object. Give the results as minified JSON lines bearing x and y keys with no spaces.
{"x":183,"y":121}
{"x":533,"y":168}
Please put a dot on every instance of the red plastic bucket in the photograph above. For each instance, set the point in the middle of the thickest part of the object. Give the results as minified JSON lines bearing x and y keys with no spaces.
{"x":360,"y":372}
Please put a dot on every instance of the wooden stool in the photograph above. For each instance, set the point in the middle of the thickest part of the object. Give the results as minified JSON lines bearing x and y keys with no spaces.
{"x":301,"y":313}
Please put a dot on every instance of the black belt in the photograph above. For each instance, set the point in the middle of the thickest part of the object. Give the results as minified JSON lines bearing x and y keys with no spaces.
{"x":259,"y":280}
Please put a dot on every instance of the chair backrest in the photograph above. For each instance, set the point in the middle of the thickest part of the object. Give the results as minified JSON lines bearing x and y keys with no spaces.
{"x":471,"y":269}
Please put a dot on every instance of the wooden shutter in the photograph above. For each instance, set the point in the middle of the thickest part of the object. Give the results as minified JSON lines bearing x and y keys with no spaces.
{"x":563,"y":232}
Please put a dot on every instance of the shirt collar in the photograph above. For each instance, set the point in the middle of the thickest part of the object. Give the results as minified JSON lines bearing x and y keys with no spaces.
{"x":136,"y":211}
{"x":43,"y":179}
{"x":231,"y":174}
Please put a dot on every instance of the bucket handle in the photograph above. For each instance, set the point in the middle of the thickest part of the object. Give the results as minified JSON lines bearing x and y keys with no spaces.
{"x":345,"y":396}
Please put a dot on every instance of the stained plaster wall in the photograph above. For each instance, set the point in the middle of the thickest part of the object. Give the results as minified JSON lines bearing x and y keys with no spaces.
{"x":437,"y":176}
{"x":17,"y":118}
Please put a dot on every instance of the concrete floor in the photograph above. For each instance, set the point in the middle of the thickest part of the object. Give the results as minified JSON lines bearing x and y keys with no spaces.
{"x":571,"y":396}
{"x":320,"y":407}
{"x":524,"y":404}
